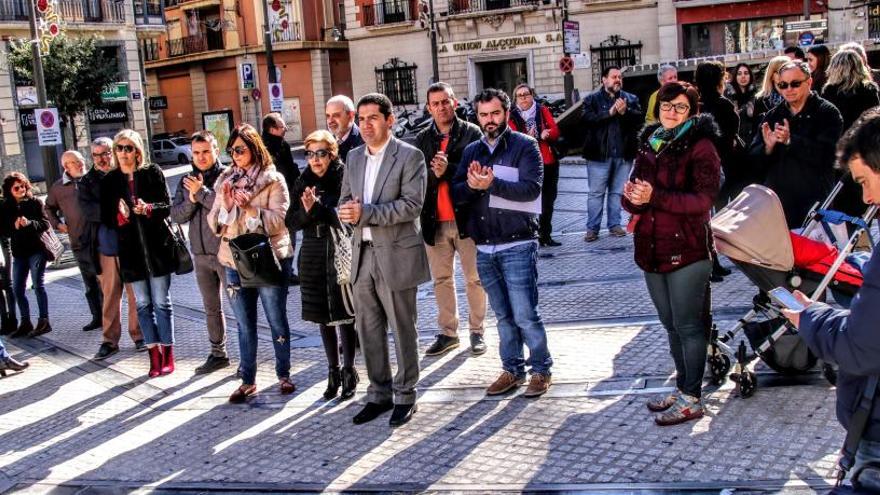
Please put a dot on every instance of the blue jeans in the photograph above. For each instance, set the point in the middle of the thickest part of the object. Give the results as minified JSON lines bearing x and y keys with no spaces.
{"x":244,"y":305}
{"x":155,"y":313}
{"x":3,"y":353}
{"x":510,"y":278}
{"x":606,"y":180}
{"x":36,"y":266}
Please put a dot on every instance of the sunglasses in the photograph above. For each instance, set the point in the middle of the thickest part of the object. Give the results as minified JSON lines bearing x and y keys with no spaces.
{"x":679,"y":108}
{"x":317,"y":153}
{"x":237,"y":150}
{"x":793,"y":84}
{"x":128,"y":148}
{"x":19,"y":187}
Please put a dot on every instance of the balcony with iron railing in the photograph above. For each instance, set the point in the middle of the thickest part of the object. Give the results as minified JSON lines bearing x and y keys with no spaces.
{"x":389,"y":12}
{"x":70,"y":11}
{"x":148,"y":13}
{"x":210,"y":40}
{"x":470,"y":6}
{"x":286,"y":31}
{"x":150,"y":49}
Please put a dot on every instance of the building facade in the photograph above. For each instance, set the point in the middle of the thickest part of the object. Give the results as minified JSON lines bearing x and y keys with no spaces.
{"x":210,"y":63}
{"x":116,"y":24}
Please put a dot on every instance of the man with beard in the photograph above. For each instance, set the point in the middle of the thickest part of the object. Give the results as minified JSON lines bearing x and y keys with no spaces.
{"x":499,"y":179}
{"x":340,"y":121}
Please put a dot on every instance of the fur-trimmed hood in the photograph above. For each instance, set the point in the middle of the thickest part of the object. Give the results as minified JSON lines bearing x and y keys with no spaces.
{"x":704,"y":127}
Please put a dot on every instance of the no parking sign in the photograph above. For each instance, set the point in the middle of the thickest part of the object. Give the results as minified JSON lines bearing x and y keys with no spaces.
{"x":48,"y":128}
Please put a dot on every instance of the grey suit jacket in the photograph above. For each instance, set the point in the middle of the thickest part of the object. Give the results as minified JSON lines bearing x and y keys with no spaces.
{"x":393,"y":215}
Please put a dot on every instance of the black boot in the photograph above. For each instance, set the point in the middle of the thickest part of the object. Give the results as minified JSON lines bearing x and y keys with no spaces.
{"x":24,"y":329}
{"x":42,"y":327}
{"x":350,"y":380}
{"x":9,"y":325}
{"x":333,"y":382}
{"x":718,"y":271}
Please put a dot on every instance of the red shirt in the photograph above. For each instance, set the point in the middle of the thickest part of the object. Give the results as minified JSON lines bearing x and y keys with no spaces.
{"x":445,"y":212}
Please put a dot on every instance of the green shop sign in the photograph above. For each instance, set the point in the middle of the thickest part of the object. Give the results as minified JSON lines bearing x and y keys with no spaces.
{"x":115,"y":92}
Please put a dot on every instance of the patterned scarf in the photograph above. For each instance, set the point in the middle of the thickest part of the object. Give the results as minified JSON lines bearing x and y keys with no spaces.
{"x":662,"y":136}
{"x":529,"y":115}
{"x":244,"y":180}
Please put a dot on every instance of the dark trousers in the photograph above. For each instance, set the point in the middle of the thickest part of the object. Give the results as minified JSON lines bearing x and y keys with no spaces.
{"x":94,"y":298}
{"x":7,"y":296}
{"x":548,"y":197}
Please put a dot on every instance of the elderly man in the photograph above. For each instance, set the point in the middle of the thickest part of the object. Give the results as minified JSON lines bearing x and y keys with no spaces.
{"x":340,"y":121}
{"x":796,"y":144}
{"x":65,"y":215}
{"x":665,"y":74}
{"x":103,"y":255}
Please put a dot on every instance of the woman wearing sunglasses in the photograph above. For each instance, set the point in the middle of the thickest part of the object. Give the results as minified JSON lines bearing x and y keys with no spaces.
{"x":24,"y":221}
{"x":136,"y":204}
{"x":252,"y":196}
{"x":675,"y":179}
{"x":312,"y":210}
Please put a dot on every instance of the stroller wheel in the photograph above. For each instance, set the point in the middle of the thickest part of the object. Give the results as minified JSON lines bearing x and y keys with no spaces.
{"x":747,"y":384}
{"x":719,"y":366}
{"x":830,"y":373}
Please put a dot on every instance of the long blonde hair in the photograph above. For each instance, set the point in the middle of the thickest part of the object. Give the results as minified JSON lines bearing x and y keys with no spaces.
{"x":847,"y":71}
{"x":768,"y":87}
{"x":135,"y":138}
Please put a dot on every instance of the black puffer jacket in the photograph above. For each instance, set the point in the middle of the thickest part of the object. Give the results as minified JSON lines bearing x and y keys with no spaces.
{"x":26,"y":240}
{"x":321,"y":296}
{"x":146,"y":248}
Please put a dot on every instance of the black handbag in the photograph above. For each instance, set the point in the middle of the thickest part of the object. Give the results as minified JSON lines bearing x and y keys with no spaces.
{"x":181,"y":253}
{"x":255,"y":261}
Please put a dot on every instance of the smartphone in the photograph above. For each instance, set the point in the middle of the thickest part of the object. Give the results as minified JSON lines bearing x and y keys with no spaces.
{"x":786,"y":299}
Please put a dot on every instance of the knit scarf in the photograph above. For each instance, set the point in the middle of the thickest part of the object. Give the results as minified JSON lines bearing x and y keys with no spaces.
{"x":529,"y":115}
{"x":662,"y":136}
{"x":244,"y":180}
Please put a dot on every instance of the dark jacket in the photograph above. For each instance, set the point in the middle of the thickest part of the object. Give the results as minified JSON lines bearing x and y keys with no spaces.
{"x":321,"y":296}
{"x":849,"y":339}
{"x":745,"y":106}
{"x":282,"y":157}
{"x":26,"y":240}
{"x":723,"y":112}
{"x":545,"y":121}
{"x":673,"y":229}
{"x":63,"y":202}
{"x":487,"y":225}
{"x":146,"y":248}
{"x":610,"y":136}
{"x":352,"y":141}
{"x":801,"y":173}
{"x":89,"y":196}
{"x":202,"y":239}
{"x":428,"y":141}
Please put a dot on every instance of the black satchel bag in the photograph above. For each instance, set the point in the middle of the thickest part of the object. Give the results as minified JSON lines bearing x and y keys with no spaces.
{"x":181,"y":253}
{"x":255,"y":261}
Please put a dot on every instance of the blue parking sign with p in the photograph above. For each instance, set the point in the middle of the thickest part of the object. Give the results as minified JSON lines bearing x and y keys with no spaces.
{"x":248,"y":76}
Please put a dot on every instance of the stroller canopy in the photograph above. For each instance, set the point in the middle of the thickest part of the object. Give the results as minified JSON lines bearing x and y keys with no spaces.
{"x":752,"y":229}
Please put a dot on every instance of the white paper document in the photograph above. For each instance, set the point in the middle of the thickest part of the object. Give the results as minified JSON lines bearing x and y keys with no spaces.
{"x":511,"y":174}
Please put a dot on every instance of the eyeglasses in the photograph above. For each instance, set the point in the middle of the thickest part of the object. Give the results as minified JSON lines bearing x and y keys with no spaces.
{"x":680,"y":108}
{"x":128,"y":148}
{"x":99,"y":155}
{"x":523,"y":96}
{"x":317,"y":153}
{"x":782,"y":85}
{"x":237,"y":150}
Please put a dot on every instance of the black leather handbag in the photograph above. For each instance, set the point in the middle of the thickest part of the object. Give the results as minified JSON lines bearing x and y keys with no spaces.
{"x":255,"y":261}
{"x":181,"y":252}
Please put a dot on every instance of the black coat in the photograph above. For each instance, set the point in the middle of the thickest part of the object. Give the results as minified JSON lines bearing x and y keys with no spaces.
{"x":428,"y":141}
{"x":89,"y":195}
{"x":601,"y":127}
{"x":26,"y":240}
{"x":282,"y":157}
{"x":801,"y":173}
{"x":351,"y":142}
{"x":146,"y":248}
{"x":321,"y":296}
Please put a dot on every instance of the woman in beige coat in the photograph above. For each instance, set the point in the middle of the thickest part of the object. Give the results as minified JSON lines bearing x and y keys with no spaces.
{"x":252,"y":197}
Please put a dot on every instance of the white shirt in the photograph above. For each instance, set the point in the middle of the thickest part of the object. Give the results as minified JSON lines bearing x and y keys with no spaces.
{"x":370,"y":175}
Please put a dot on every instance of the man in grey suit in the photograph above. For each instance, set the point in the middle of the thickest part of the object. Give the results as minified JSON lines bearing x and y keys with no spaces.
{"x":382,"y":194}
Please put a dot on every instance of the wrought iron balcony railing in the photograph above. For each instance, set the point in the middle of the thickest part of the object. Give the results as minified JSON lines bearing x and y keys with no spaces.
{"x":389,"y":12}
{"x":198,"y":43}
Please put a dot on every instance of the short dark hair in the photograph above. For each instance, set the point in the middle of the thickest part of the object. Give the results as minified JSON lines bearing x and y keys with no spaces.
{"x":385,"y":106}
{"x":490,"y":94}
{"x":861,"y":140}
{"x":796,"y":50}
{"x":708,"y":77}
{"x":272,"y":121}
{"x":205,"y":137}
{"x":673,"y":90}
{"x":438,"y":87}
{"x":608,"y":69}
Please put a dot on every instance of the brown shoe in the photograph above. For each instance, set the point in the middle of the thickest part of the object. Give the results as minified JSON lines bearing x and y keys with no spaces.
{"x":505,"y":383}
{"x":538,"y":385}
{"x":287,"y":387}
{"x":242,"y":394}
{"x":617,"y":231}
{"x":591,"y":236}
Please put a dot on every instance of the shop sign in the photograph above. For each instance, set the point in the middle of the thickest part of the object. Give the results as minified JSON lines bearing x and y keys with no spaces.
{"x":798,"y":26}
{"x":501,"y":44}
{"x":115,"y":92}
{"x":158,"y":103}
{"x":114,"y":113}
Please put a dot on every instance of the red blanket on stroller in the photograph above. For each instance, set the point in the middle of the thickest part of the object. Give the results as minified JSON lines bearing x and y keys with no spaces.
{"x":817,"y":257}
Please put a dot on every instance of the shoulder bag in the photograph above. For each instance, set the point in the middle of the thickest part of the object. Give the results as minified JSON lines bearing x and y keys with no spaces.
{"x":52,"y":245}
{"x":255,"y":261}
{"x":342,"y":255}
{"x":181,"y":252}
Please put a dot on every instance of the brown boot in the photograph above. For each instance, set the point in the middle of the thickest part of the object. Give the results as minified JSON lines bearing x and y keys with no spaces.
{"x":42,"y":327}
{"x":504,"y":383}
{"x":10,"y":364}
{"x":538,"y":385}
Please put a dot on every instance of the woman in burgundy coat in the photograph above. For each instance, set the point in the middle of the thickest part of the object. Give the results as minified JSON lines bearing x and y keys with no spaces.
{"x":675,"y":179}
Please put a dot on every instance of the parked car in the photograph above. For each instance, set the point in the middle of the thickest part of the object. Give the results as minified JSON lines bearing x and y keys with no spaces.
{"x":172,"y":150}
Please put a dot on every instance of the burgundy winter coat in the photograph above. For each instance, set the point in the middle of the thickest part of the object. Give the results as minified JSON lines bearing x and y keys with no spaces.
{"x":673,"y":228}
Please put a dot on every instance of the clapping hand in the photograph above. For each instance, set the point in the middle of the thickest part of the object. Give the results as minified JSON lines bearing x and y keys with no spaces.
{"x":479,"y":177}
{"x":350,"y":211}
{"x":193,"y":184}
{"x":782,"y":132}
{"x":639,"y":192}
{"x":141,"y":208}
{"x":228,"y":200}
{"x":123,"y":208}
{"x":770,"y":137}
{"x":309,"y":198}
{"x":439,"y":164}
{"x":21,"y":222}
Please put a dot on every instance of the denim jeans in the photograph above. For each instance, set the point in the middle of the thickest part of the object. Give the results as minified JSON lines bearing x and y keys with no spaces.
{"x":3,"y":353}
{"x":868,"y":452}
{"x":510,"y":278}
{"x":155,"y":312}
{"x":244,"y":306}
{"x":36,"y":266}
{"x":606,"y":180}
{"x":681,"y":298}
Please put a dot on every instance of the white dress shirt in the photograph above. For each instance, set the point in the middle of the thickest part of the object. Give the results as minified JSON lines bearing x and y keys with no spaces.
{"x":370,"y":175}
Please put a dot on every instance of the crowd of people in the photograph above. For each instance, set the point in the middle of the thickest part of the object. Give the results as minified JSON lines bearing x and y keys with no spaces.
{"x":378,"y":217}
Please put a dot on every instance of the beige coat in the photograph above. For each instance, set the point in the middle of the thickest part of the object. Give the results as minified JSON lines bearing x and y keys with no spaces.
{"x":269,"y":203}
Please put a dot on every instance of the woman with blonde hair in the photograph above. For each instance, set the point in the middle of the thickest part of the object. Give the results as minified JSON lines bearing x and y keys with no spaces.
{"x":768,"y":97}
{"x":252,"y":197}
{"x":135,"y":203}
{"x":313,"y":201}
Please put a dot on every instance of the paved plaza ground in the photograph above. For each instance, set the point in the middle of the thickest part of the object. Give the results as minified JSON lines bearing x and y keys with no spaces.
{"x":70,"y":425}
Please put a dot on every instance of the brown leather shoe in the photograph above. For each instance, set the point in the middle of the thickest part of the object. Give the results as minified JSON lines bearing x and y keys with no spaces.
{"x":287,"y":387}
{"x":504,"y":383}
{"x":242,"y":394}
{"x":538,"y":385}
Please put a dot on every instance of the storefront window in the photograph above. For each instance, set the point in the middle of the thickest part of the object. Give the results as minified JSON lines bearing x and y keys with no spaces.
{"x":721,"y":38}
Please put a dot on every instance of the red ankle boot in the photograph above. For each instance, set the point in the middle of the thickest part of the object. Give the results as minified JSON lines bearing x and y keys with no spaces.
{"x":155,"y":353}
{"x":167,"y":360}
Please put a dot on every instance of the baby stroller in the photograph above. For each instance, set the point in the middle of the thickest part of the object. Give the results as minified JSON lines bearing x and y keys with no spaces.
{"x":753,"y":233}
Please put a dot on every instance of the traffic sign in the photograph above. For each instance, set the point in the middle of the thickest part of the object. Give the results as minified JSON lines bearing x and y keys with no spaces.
{"x":48,"y":128}
{"x":276,"y":97}
{"x":806,"y":38}
{"x":566,"y":64}
{"x":256,"y":93}
{"x":248,"y":75}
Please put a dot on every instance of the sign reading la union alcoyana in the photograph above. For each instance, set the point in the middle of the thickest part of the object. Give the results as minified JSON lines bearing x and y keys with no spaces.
{"x":500,"y":44}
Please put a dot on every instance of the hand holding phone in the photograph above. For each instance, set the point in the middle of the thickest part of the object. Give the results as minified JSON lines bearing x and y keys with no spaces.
{"x":786,"y":299}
